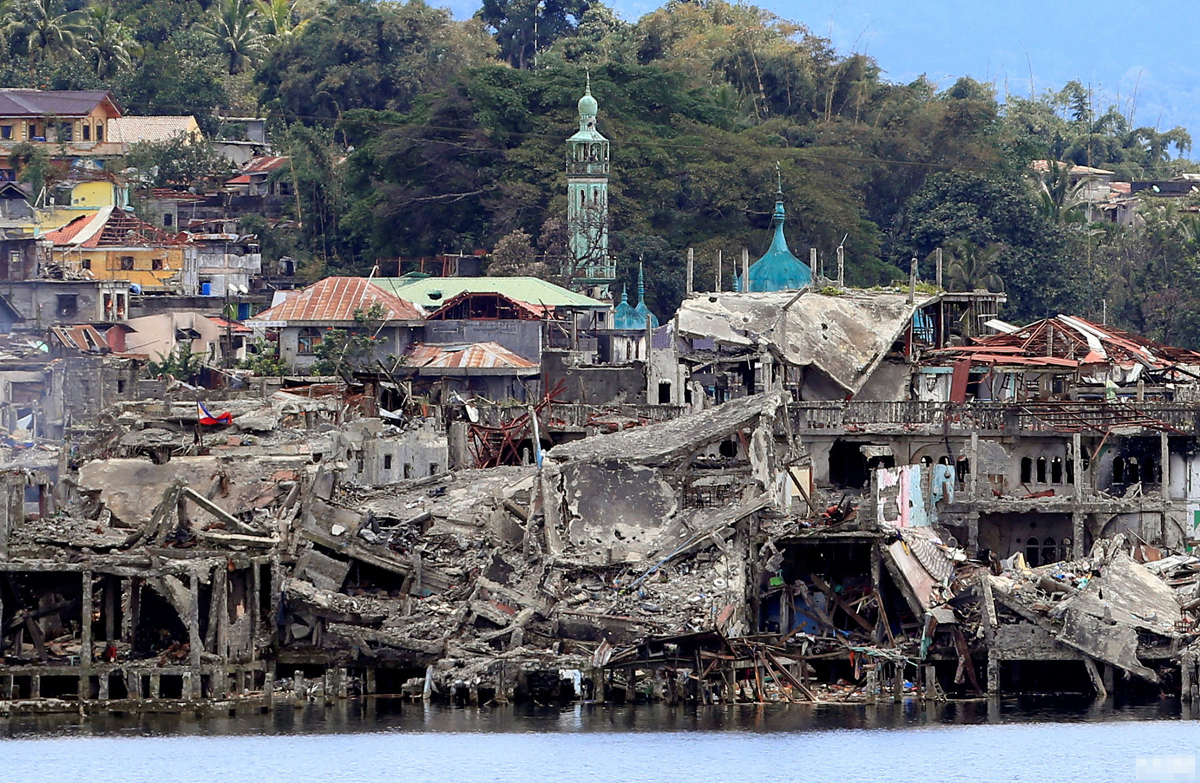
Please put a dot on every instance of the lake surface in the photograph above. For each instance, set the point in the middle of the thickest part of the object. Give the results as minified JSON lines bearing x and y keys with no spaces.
{"x":366,"y":742}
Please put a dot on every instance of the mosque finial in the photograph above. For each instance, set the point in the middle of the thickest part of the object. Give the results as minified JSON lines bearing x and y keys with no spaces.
{"x":641,"y":283}
{"x":587,"y":89}
{"x":779,"y":180}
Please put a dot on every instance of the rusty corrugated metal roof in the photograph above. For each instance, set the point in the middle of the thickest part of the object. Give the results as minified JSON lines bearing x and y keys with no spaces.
{"x":482,"y":356}
{"x":336,"y":299}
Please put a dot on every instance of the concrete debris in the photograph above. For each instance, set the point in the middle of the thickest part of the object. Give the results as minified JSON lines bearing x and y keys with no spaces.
{"x":305,"y":551}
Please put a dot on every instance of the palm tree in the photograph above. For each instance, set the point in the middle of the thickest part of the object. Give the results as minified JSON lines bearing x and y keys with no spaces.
{"x":970,"y":266}
{"x":235,"y":31}
{"x":282,"y":19}
{"x":47,"y":28}
{"x":110,"y":46}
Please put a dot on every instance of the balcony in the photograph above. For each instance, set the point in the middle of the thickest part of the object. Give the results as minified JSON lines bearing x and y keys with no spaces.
{"x":995,"y":418}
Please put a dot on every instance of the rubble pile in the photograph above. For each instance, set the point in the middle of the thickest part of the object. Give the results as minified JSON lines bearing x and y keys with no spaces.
{"x":262,"y":558}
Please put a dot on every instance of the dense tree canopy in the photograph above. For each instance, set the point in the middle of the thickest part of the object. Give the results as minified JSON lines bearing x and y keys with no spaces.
{"x":412,"y":133}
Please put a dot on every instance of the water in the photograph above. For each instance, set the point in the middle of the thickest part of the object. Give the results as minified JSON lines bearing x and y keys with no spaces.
{"x":368,"y":742}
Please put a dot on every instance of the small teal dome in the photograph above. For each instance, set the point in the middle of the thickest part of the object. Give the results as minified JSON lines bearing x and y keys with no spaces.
{"x":634,"y":318}
{"x":587,"y":105}
{"x":624,"y":314}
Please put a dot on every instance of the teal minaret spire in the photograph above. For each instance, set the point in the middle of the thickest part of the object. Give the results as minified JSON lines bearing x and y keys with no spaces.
{"x":778,"y":269}
{"x":634,"y":318}
{"x":590,"y":268}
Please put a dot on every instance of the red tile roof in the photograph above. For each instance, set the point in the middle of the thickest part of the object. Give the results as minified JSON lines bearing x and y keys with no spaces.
{"x":489,"y":356}
{"x":335,"y":299}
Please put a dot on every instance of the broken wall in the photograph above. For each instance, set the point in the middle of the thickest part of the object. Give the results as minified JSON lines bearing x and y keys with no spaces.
{"x":375,"y":453}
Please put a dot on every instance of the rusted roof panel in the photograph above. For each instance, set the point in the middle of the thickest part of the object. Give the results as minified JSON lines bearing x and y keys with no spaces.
{"x":336,"y":299}
{"x":483,"y":356}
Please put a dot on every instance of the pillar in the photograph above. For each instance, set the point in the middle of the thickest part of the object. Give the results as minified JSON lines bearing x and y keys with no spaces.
{"x":993,"y":673}
{"x":85,"y":637}
{"x":973,"y":476}
{"x":254,"y":602}
{"x":127,"y":610}
{"x":1077,"y":457}
{"x":1164,"y":462}
{"x":193,"y":620}
{"x":1077,"y":518}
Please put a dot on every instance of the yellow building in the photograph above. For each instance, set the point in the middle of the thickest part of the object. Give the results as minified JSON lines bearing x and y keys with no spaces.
{"x":112,"y":244}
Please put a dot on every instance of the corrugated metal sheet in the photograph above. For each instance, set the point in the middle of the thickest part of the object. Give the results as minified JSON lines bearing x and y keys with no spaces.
{"x":433,"y":292}
{"x":483,"y":356}
{"x":335,"y":299}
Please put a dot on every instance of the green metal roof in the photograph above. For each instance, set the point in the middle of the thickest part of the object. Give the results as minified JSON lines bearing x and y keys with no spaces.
{"x":432,"y":292}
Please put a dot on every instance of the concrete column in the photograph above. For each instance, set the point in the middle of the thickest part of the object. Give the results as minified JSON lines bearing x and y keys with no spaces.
{"x":993,"y":673}
{"x":85,"y":628}
{"x":1165,"y":466}
{"x":254,"y":601}
{"x":133,"y":684}
{"x":155,"y":686}
{"x":221,"y":597}
{"x":191,"y":684}
{"x":1077,"y":458}
{"x":973,"y":476}
{"x":127,"y":610}
{"x":1077,"y":519}
{"x":973,"y":532}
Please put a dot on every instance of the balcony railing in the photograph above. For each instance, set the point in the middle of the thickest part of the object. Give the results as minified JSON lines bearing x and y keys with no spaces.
{"x":1051,"y":416}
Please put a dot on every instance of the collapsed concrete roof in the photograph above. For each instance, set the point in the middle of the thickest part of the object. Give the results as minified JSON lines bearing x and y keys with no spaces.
{"x":845,"y":336}
{"x":659,"y":444}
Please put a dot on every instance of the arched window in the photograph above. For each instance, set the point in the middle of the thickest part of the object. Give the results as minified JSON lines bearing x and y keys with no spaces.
{"x":1033,"y":551}
{"x":943,"y":460}
{"x":1119,"y":470}
{"x":1148,"y":470}
{"x":308,"y":340}
{"x":1049,"y":551}
{"x":927,"y":460}
{"x":1070,"y":471}
{"x":1056,"y":471}
{"x":1041,"y":470}
{"x":1132,"y":475}
{"x":1026,"y":470}
{"x":962,"y":469}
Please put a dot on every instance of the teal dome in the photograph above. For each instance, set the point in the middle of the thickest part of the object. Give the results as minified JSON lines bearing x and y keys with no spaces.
{"x":778,"y":269}
{"x":587,"y":105}
{"x":625,"y":315}
{"x":633,"y":318}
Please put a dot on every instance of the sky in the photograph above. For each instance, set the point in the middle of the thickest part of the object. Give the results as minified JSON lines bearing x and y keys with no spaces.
{"x":1122,"y":49}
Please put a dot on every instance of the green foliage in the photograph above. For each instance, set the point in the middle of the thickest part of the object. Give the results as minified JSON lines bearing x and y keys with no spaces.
{"x":524,"y":26}
{"x":412,"y":134}
{"x":263,"y":360}
{"x":182,"y":364}
{"x":180,"y":160}
{"x":368,"y":55}
{"x":342,"y":350}
{"x":33,"y":165}
{"x":234,"y":30}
